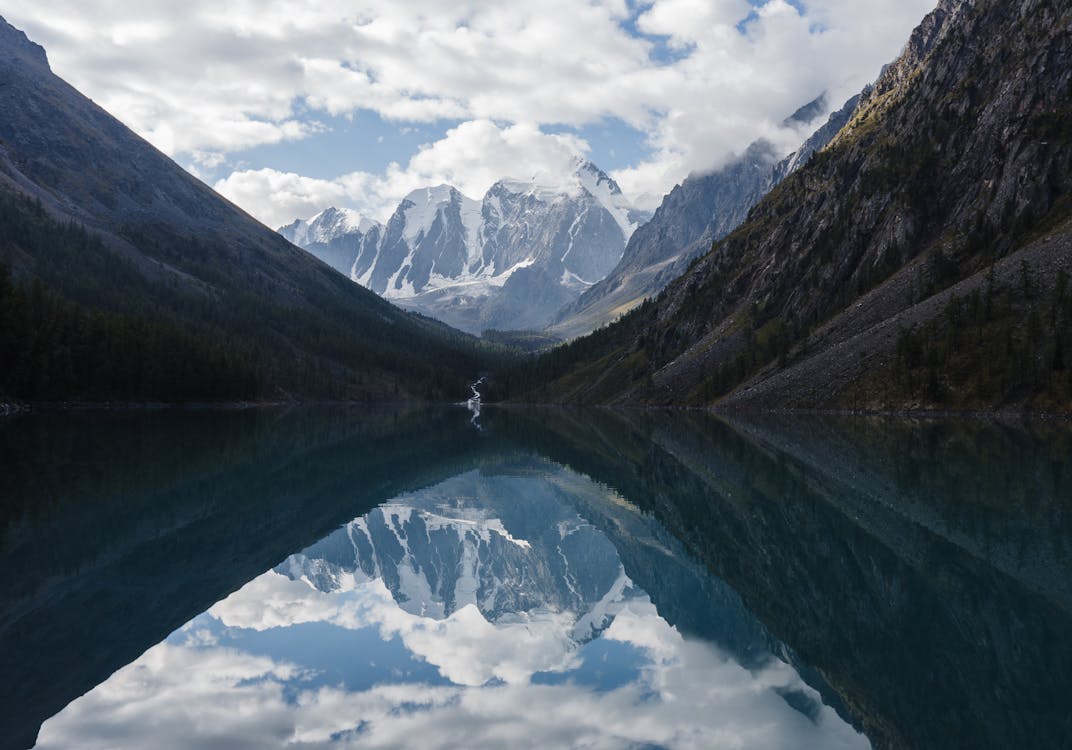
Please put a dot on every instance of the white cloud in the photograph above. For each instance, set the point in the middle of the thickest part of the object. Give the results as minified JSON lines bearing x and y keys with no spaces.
{"x":475,"y":154}
{"x":213,"y":78}
{"x":471,"y":156}
{"x":277,"y":198}
{"x":200,"y":694}
{"x":172,"y":695}
{"x":687,"y":21}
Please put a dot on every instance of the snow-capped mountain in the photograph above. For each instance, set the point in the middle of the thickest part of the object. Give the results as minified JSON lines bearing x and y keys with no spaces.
{"x":326,"y":226}
{"x":428,"y":238}
{"x":334,"y":235}
{"x":508,"y":261}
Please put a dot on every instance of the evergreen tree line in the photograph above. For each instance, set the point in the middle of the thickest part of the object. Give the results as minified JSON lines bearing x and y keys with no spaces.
{"x":534,"y":377}
{"x":53,"y":350}
{"x":1005,"y":343}
{"x":81,"y":322}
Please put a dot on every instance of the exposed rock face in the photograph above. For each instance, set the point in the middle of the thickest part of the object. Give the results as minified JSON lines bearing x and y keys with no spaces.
{"x":955,"y":168}
{"x":508,"y":261}
{"x":16,"y":46}
{"x":701,"y":210}
{"x":335,"y":236}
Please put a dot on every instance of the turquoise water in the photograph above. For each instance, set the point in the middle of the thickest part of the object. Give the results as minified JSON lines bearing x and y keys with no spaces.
{"x":555,"y":578}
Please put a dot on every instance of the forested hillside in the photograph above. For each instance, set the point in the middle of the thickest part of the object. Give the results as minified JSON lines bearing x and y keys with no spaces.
{"x":127,"y":279}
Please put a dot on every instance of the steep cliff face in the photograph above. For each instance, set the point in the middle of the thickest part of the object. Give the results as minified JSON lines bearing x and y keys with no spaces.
{"x":508,"y":261}
{"x":660,"y":250}
{"x":945,"y":198}
{"x":701,"y":210}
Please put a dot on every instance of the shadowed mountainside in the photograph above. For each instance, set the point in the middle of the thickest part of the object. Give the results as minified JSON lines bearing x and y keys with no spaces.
{"x":110,"y":227}
{"x":701,"y":210}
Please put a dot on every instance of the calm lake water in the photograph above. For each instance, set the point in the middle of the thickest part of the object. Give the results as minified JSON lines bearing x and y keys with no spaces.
{"x":546,"y":579}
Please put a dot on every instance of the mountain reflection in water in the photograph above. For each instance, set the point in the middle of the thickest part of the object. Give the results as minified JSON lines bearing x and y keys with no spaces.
{"x":563,"y":579}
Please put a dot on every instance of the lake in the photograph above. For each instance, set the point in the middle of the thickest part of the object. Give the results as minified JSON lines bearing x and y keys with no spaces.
{"x":542,"y":578}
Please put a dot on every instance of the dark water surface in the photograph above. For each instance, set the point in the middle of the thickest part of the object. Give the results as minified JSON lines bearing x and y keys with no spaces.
{"x":399,"y":578}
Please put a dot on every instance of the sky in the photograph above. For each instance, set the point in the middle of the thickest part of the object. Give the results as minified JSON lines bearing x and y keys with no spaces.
{"x":289,"y":107}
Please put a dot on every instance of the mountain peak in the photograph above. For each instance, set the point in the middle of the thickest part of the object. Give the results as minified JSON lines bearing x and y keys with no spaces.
{"x":345,"y":219}
{"x":585,"y":176}
{"x":15,"y":44}
{"x":82,"y":191}
{"x":434,"y":195}
{"x":949,"y":183}
{"x":592,"y":176}
{"x":809,"y":113}
{"x":507,"y":261}
{"x":541,"y":187}
{"x":325,"y":226}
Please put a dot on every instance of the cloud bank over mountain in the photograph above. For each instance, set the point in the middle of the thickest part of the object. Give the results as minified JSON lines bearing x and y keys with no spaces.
{"x":429,"y":92}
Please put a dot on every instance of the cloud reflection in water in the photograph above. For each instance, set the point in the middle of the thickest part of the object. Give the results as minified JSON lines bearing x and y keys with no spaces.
{"x":335,"y":650}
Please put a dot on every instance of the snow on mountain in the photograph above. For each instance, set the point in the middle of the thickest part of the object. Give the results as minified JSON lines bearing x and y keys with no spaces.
{"x":704,"y":208}
{"x":425,"y":206}
{"x":508,"y":261}
{"x":610,"y":196}
{"x":326,"y":225}
{"x":335,"y":235}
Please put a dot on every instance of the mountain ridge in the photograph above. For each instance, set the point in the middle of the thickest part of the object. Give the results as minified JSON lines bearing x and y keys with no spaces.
{"x":507,"y":261}
{"x":954,"y":168}
{"x":86,"y":202}
{"x":704,"y":208}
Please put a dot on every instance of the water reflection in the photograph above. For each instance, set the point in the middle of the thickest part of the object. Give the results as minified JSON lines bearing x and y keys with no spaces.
{"x":922,"y":567}
{"x":482,"y":612}
{"x":119,"y":528}
{"x":561,"y":579}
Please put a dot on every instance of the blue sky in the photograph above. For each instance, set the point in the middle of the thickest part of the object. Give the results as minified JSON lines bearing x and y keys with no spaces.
{"x":367,"y":142}
{"x":287,"y":107}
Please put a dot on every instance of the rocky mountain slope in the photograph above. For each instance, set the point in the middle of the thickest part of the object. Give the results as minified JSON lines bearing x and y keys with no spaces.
{"x":920,"y":261}
{"x":332,"y":235}
{"x":507,"y":262}
{"x":701,"y":210}
{"x":153,"y":287}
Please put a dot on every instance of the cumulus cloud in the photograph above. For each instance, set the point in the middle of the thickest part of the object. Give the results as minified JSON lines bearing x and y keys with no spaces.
{"x":699,"y":79}
{"x":471,"y":157}
{"x":174,"y":697}
{"x":277,"y":198}
{"x":197,"y":693}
